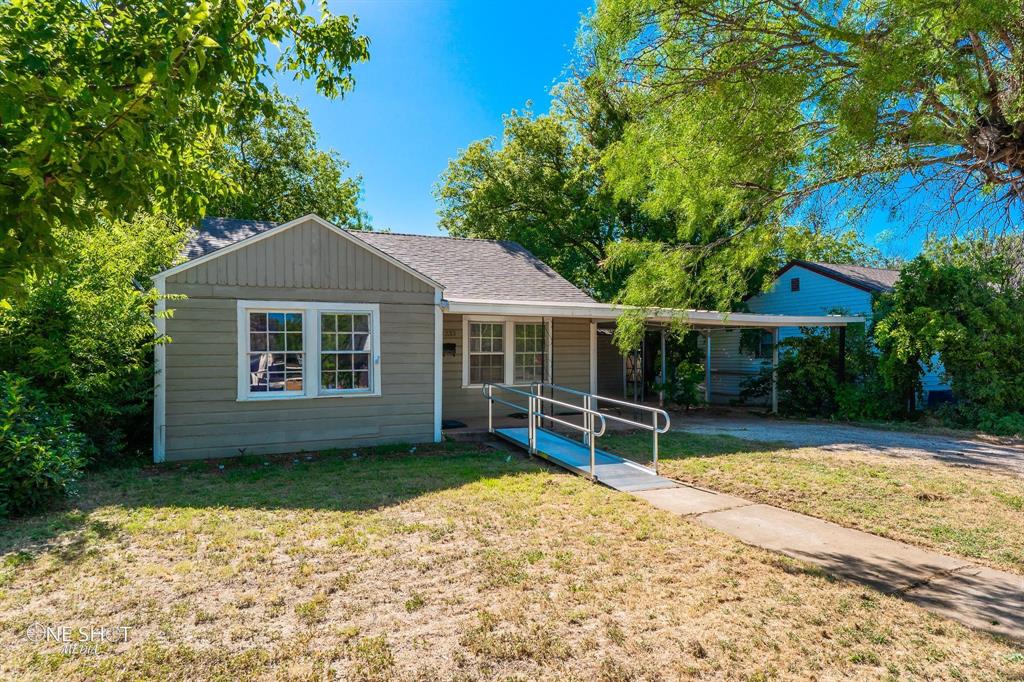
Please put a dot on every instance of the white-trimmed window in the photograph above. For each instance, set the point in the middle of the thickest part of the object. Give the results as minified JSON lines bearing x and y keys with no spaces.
{"x":486,"y":353}
{"x":275,"y":352}
{"x":503,"y":351}
{"x":528,"y":360}
{"x":307,"y":350}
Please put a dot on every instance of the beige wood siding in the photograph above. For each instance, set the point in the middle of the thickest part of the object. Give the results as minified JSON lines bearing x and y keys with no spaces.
{"x":307,"y":256}
{"x":203,"y":416}
{"x":570,"y":365}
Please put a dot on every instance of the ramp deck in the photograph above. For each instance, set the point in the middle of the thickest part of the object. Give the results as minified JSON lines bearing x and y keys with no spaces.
{"x":611,"y":470}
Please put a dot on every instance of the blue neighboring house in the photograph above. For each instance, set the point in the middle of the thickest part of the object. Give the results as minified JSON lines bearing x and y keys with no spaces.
{"x":805,"y":288}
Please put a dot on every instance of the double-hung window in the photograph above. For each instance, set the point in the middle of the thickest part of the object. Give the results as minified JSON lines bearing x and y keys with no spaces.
{"x":486,"y":352}
{"x":528,"y":361}
{"x":307,"y":350}
{"x":503,"y":351}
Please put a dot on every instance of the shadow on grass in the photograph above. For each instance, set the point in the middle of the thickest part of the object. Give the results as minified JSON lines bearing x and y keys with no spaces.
{"x":638,"y":446}
{"x":359,"y":479}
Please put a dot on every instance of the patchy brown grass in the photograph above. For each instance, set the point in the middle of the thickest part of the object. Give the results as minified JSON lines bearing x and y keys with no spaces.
{"x":971,"y":513}
{"x":461,"y":564}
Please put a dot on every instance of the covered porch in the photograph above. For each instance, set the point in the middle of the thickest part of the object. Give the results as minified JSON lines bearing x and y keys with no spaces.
{"x":521,"y":343}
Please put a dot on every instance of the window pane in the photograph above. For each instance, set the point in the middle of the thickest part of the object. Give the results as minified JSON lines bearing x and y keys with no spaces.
{"x":360,"y":361}
{"x":328,"y":362}
{"x":362,"y":379}
{"x":344,"y":323}
{"x":328,"y":342}
{"x":344,"y":342}
{"x":275,"y":322}
{"x":486,"y":369}
{"x":257,"y":342}
{"x":257,"y":322}
{"x":344,"y":361}
{"x":344,"y":380}
{"x":327,"y":323}
{"x":293,"y":322}
{"x":328,"y":380}
{"x":361,"y":323}
{"x":293,"y":341}
{"x":276,"y":341}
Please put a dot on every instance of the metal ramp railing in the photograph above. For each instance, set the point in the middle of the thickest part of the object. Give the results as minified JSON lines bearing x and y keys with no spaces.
{"x":590,"y":409}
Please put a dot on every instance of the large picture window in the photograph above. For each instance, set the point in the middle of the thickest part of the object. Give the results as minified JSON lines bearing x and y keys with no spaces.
{"x":503,"y":351}
{"x":307,"y":350}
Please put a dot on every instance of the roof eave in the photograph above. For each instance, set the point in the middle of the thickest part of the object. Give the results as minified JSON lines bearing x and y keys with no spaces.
{"x":607,"y":311}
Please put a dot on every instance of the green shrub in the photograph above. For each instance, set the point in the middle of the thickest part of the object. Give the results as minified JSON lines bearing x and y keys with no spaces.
{"x":683,"y":386}
{"x":83,"y":332}
{"x":809,"y":384}
{"x":41,"y":453}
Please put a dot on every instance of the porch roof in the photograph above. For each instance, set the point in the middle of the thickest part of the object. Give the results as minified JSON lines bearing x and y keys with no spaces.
{"x":607,"y":311}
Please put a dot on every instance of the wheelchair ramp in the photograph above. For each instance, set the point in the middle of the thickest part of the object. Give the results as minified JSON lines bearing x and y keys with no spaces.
{"x":611,"y":470}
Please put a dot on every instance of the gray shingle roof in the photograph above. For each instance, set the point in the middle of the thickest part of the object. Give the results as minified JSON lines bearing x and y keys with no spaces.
{"x":216,"y":233}
{"x":870,"y":279}
{"x":478,"y":268}
{"x":467,"y":268}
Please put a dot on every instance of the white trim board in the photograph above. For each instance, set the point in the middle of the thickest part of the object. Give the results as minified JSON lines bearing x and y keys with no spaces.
{"x":160,"y":375}
{"x":287,"y":226}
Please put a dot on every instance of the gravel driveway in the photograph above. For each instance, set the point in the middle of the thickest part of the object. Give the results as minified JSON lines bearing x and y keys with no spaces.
{"x":948,"y":449}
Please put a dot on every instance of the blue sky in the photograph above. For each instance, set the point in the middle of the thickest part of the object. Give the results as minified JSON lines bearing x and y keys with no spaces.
{"x":440,"y":75}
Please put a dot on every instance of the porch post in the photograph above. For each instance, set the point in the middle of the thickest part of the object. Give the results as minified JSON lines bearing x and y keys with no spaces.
{"x":593,"y":356}
{"x":775,"y":370}
{"x":707,"y":367}
{"x":841,"y":360}
{"x":664,"y":371}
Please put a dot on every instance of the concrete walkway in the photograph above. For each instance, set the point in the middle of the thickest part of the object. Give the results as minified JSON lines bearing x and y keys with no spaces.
{"x":980,"y":597}
{"x":1005,"y":456}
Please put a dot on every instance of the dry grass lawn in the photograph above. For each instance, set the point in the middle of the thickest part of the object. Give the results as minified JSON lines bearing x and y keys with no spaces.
{"x":971,"y":513}
{"x":443,"y":564}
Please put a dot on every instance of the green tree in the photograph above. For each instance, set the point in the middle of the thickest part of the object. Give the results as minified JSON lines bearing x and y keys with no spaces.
{"x":750,"y":108}
{"x":747,"y":116}
{"x":107,"y":107}
{"x":278,"y":173}
{"x":83,"y":332}
{"x":544,"y":188}
{"x":962,"y":301}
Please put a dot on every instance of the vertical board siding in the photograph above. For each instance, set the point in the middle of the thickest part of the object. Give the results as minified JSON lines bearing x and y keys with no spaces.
{"x":305,"y":263}
{"x":308,"y":256}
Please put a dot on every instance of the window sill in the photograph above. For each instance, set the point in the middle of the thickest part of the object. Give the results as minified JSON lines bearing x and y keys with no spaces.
{"x":260,"y":399}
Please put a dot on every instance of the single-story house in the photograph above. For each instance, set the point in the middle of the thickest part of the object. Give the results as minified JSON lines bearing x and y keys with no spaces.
{"x":806,"y":288}
{"x":304,"y":336}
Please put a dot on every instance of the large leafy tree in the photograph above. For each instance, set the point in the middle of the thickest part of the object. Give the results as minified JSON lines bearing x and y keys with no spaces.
{"x":107,"y":107}
{"x":963,"y":302}
{"x":748,"y":114}
{"x":760,"y":105}
{"x":277,"y":172}
{"x":544,"y":188}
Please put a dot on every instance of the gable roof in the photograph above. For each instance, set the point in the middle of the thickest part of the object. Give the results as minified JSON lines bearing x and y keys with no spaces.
{"x":861,"y":277}
{"x":478,"y":268}
{"x":216,"y":236}
{"x":216,"y":233}
{"x":468,"y":269}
